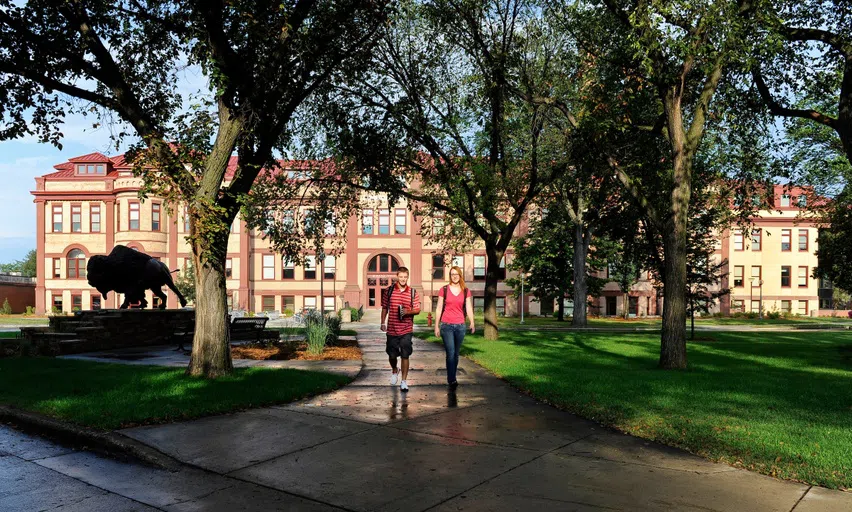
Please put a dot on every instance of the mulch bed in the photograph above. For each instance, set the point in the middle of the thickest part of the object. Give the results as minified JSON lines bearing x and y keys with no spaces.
{"x":343,"y":350}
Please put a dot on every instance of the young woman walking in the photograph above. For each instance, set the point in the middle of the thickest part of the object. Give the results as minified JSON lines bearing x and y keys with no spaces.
{"x":455,"y":302}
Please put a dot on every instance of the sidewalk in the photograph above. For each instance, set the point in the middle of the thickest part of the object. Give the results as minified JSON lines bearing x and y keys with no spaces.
{"x":485,"y":447}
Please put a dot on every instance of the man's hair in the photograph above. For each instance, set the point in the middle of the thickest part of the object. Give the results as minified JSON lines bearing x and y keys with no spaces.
{"x":402,"y":270}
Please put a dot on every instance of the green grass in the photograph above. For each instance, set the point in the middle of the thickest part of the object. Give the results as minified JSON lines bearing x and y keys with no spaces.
{"x":8,"y":334}
{"x":22,"y":320}
{"x":616,"y":322}
{"x":109,"y":396}
{"x":779,"y":403}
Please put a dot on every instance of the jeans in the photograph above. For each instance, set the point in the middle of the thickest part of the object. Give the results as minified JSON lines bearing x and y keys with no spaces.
{"x":453,"y":336}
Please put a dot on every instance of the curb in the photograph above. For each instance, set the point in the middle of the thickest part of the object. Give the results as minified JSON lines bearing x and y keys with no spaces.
{"x":112,"y":444}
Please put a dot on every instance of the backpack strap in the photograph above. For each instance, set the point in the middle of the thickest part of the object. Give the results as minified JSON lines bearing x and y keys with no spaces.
{"x":389,"y":294}
{"x":412,"y":296}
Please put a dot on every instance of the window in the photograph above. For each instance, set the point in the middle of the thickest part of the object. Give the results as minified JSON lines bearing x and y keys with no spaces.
{"x":785,"y":277}
{"x":330,"y":227}
{"x":288,"y":270}
{"x":803,"y":308}
{"x":756,"y":275}
{"x":803,"y":277}
{"x":738,"y":240}
{"x":155,"y":303}
{"x":478,"y":304}
{"x":328,"y":303}
{"x":383,"y":263}
{"x":134,"y":216}
{"x":367,"y":222}
{"x":399,"y":221}
{"x":501,"y":270}
{"x":268,"y":266}
{"x":310,"y":302}
{"x":786,"y":306}
{"x":57,"y":268}
{"x":737,"y":306}
{"x":786,"y":235}
{"x":755,"y":240}
{"x":57,"y":302}
{"x":802,"y":203}
{"x":76,"y":302}
{"x":155,"y":217}
{"x":479,"y":267}
{"x":57,"y":218}
{"x":755,"y":306}
{"x":229,"y":298}
{"x":288,"y":221}
{"x":438,"y":224}
{"x":95,"y":218}
{"x":91,"y":169}
{"x":76,"y":218}
{"x":288,"y":304}
{"x":76,"y":264}
{"x":229,"y":267}
{"x":311,"y":269}
{"x":501,"y":306}
{"x":785,"y":200}
{"x":437,"y":266}
{"x":803,"y":239}
{"x":329,"y":267}
{"x":384,"y":222}
{"x":458,"y":261}
{"x":267,"y":303}
{"x":738,"y":275}
{"x":825,"y":284}
{"x":186,"y":222}
{"x":96,"y":302}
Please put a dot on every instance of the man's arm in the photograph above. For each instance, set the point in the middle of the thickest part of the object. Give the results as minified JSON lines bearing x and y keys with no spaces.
{"x":383,"y":320}
{"x":416,"y":310}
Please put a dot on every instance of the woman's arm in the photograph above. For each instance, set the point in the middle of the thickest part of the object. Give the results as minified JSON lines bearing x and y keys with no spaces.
{"x":438,"y":310}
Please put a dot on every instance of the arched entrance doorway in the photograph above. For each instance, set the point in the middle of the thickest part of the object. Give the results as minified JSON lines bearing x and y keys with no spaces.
{"x":381,"y":272}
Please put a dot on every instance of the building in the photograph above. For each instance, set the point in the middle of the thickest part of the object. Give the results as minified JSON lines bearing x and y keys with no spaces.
{"x":90,"y":203}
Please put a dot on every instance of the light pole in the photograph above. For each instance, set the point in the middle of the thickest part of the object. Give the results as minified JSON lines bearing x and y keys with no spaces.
{"x":522,"y":296}
{"x":760,"y":283}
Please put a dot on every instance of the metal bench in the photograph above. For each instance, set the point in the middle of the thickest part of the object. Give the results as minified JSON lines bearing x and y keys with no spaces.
{"x":252,"y":327}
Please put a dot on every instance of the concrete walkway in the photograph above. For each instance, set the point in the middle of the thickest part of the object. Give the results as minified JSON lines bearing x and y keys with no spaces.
{"x":485,"y":447}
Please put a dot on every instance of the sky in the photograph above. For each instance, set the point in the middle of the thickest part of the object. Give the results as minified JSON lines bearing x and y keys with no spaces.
{"x":22,"y":160}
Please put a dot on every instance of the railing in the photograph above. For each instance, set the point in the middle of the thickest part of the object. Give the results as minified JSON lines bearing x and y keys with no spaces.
{"x":6,"y":278}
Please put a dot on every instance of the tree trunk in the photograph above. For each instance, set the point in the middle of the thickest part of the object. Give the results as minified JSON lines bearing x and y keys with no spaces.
{"x":581,"y":286}
{"x":561,"y":313}
{"x":493,"y":257}
{"x":211,"y":347}
{"x":673,"y":338}
{"x":625,"y":306}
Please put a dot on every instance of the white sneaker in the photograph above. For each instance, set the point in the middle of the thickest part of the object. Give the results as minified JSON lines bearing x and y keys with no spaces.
{"x":403,"y":386}
{"x":395,"y":378}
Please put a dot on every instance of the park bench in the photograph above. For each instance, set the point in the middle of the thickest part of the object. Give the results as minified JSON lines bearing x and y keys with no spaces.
{"x":182,"y":332}
{"x":252,"y":328}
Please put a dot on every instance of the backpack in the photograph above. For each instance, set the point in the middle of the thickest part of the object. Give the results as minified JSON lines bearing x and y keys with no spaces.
{"x":389,"y":293}
{"x":464,"y":302}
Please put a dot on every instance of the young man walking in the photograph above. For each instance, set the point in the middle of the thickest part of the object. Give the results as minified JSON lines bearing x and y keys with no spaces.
{"x":400,"y":303}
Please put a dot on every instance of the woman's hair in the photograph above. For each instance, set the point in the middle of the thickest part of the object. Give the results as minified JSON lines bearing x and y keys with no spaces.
{"x":461,"y":277}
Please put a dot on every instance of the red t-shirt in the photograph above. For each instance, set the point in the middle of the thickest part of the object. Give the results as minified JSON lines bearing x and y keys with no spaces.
{"x":453,"y":312}
{"x":397,"y":327}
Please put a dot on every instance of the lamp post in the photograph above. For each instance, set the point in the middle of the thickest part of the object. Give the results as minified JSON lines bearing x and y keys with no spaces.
{"x":760,"y":283}
{"x":522,"y":296}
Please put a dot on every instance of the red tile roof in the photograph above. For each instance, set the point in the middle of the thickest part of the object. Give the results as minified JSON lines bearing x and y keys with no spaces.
{"x":97,"y":158}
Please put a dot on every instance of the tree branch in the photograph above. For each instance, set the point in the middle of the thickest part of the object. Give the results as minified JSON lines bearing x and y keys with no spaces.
{"x":776,"y":109}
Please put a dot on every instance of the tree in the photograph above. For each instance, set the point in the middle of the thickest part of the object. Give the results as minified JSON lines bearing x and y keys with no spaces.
{"x":439,"y":122}
{"x":185,"y":282}
{"x":26,"y":266}
{"x":545,"y":256}
{"x":122,"y":59}
{"x":658,"y":75}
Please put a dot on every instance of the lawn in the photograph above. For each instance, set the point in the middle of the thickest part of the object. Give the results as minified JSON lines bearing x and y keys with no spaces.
{"x":779,"y":403}
{"x":620,"y":323}
{"x":109,"y":396}
{"x":8,"y":334}
{"x":22,"y":320}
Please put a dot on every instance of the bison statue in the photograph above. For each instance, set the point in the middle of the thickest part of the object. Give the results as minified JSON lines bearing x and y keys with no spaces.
{"x":131,"y":272}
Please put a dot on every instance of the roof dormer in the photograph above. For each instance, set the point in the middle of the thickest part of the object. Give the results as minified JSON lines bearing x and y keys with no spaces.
{"x":93,"y":164}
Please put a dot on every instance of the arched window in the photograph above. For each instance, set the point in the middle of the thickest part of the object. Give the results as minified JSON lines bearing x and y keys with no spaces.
{"x":76,"y":264}
{"x":383,"y":263}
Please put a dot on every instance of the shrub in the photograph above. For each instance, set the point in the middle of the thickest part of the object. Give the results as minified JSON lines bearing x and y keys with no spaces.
{"x":333,"y":323}
{"x":773,"y":315}
{"x":356,"y":314}
{"x":30,"y":311}
{"x":7,"y":308}
{"x":287,"y":312}
{"x":317,"y":336}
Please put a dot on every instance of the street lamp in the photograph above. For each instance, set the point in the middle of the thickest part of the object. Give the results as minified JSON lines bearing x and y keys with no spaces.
{"x":760,"y":291}
{"x":522,"y":296}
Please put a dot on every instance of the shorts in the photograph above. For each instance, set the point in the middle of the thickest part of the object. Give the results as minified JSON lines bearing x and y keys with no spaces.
{"x":399,"y":346}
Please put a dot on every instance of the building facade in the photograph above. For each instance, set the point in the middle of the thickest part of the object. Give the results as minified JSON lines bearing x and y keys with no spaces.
{"x":91,"y":203}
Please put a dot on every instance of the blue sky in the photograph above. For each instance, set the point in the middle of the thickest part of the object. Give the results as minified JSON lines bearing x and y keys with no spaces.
{"x":22,"y":160}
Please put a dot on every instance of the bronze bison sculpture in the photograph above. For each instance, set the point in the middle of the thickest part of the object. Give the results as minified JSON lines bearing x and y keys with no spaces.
{"x":131,"y":272}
